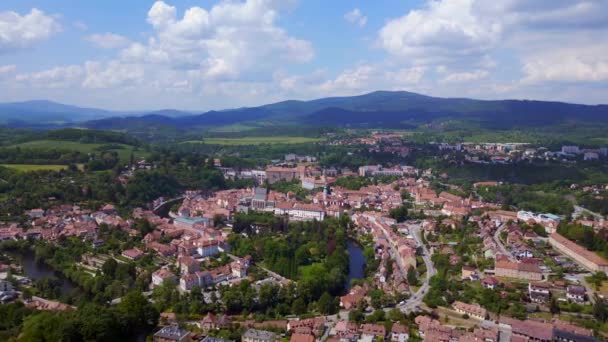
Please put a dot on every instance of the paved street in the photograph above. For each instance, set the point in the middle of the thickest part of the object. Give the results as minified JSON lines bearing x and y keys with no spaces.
{"x":415,"y":300}
{"x":501,"y":247}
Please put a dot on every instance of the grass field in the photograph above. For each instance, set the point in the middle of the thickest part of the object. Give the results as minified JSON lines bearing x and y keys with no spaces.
{"x":32,"y":167}
{"x":124,"y":152}
{"x":232,"y":128}
{"x":254,"y":141}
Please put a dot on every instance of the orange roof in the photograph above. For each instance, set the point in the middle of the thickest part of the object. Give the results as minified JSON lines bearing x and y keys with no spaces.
{"x":580,"y":250}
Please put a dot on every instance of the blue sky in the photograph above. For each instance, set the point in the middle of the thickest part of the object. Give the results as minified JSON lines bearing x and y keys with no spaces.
{"x":204,"y":54}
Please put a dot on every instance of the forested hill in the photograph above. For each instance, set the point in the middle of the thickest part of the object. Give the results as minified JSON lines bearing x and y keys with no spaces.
{"x":381,"y":109}
{"x":395,"y":109}
{"x":89,"y":136}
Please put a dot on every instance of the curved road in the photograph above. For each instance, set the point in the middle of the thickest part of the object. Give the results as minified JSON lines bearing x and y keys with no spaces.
{"x":501,"y":247}
{"x":415,"y":300}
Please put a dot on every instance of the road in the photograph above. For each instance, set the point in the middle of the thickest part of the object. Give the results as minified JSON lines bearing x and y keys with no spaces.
{"x":579,"y":211}
{"x":394,"y":253}
{"x":415,"y":300}
{"x":501,"y":247}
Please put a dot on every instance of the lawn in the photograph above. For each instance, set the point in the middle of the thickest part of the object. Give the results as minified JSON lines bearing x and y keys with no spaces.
{"x":255,"y":141}
{"x":124,"y":151}
{"x":33,"y":167}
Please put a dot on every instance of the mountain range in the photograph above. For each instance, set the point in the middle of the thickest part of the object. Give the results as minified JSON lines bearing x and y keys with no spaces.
{"x":377,"y":109}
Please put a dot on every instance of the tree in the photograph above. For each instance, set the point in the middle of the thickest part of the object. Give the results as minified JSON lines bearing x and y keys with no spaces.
{"x":356,"y":315}
{"x":554,"y":306}
{"x":327,"y":304}
{"x":395,"y":315}
{"x":109,"y":267}
{"x":400,"y":213}
{"x":268,"y":296}
{"x":299,"y":306}
{"x":600,"y":308}
{"x":96,"y":323}
{"x":47,"y":326}
{"x":376,"y":298}
{"x":377,"y":316}
{"x":136,"y":312}
{"x":412,"y":276}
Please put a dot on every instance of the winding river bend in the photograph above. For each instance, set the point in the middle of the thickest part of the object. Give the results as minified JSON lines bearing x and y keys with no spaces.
{"x":39,"y":270}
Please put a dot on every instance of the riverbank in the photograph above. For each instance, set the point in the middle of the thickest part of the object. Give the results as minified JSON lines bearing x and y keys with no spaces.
{"x":36,"y":269}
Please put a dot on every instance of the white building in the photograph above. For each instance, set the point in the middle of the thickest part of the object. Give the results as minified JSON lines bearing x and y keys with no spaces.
{"x":208,"y":248}
{"x":571,"y":149}
{"x":591,"y":156}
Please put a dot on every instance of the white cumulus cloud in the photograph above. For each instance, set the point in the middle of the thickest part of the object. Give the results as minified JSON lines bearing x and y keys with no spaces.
{"x":356,"y":17}
{"x":226,"y":41}
{"x":58,"y":77}
{"x":6,"y":69}
{"x":108,"y":40}
{"x":21,"y":31}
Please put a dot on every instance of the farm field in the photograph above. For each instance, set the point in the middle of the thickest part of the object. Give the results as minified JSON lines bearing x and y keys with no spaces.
{"x":34,"y":167}
{"x":254,"y":141}
{"x":124,"y":151}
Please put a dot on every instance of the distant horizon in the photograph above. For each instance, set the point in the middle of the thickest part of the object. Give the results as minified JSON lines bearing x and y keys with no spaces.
{"x":135,"y":112}
{"x":196,"y":55}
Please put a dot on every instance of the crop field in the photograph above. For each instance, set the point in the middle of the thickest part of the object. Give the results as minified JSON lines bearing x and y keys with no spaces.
{"x":254,"y":141}
{"x":34,"y":167}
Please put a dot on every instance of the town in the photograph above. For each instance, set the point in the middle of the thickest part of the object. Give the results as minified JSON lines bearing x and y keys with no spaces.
{"x":309,"y":252}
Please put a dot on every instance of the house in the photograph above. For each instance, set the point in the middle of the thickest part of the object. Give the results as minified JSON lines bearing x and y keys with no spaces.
{"x":314,"y":326}
{"x":97,"y":243}
{"x":36,"y":213}
{"x":259,"y":199}
{"x":576,"y":293}
{"x":560,"y":331}
{"x":188,"y":264}
{"x":471,"y":310}
{"x":351,"y":299}
{"x":502,"y":216}
{"x":432,"y":330}
{"x":529,"y":330}
{"x":171,"y":333}
{"x":347,"y":330}
{"x":275,"y":174}
{"x":469,"y":273}
{"x":399,"y":333}
{"x":109,"y":209}
{"x":519,"y":270}
{"x":161,"y":276}
{"x":190,"y":222}
{"x":490,"y":283}
{"x":255,"y":335}
{"x":375,"y":331}
{"x":208,"y":323}
{"x":208,"y":248}
{"x":580,"y":254}
{"x":302,"y":338}
{"x":6,"y":286}
{"x":539,"y":292}
{"x":133,"y":254}
{"x":239,"y":267}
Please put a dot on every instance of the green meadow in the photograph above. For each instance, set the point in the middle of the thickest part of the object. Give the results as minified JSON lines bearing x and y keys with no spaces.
{"x":254,"y":141}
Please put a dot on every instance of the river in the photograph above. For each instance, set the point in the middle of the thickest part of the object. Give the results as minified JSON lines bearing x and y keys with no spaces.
{"x":356,"y":263}
{"x":38,"y":270}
